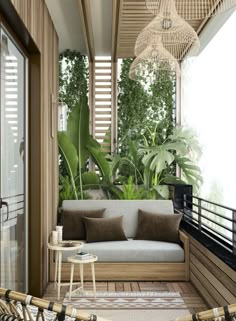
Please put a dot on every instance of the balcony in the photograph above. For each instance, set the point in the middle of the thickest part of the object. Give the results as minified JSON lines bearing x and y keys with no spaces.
{"x":86,"y":127}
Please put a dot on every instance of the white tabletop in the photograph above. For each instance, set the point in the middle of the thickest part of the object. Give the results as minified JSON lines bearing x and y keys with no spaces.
{"x":66,"y":246}
{"x":73,"y":259}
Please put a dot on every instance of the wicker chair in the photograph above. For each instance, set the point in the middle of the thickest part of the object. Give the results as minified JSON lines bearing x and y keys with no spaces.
{"x":18,"y":306}
{"x":226,"y":313}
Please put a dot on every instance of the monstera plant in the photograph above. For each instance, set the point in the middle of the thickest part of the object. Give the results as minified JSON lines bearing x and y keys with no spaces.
{"x":178,"y":149}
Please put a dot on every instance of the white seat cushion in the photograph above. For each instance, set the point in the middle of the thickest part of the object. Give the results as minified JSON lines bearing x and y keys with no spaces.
{"x":133,"y":251}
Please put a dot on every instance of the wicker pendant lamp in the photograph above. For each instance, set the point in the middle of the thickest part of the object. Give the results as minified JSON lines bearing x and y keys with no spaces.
{"x":154,"y":64}
{"x":177,"y":36}
{"x":194,"y":10}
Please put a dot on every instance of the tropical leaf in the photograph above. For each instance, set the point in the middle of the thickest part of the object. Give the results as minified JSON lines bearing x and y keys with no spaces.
{"x":148,"y":176}
{"x":114,"y":163}
{"x":100,"y":160}
{"x":191,"y":173}
{"x":78,"y":129}
{"x":70,"y":157}
{"x":161,"y":160}
{"x":66,"y":191}
{"x":171,"y":179}
{"x":187,"y":136}
{"x":162,"y":191}
{"x":93,"y":142}
{"x":107,"y":139}
{"x":69,"y":153}
{"x":90,"y":180}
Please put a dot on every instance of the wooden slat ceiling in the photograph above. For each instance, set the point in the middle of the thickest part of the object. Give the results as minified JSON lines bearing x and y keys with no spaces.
{"x":132,"y":17}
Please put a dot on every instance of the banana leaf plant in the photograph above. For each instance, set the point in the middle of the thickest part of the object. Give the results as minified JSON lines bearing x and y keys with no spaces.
{"x":73,"y":144}
{"x":76,"y":145}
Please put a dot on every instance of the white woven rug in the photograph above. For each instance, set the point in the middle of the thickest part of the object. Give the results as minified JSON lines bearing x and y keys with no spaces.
{"x":140,"y":315}
{"x":127,"y":300}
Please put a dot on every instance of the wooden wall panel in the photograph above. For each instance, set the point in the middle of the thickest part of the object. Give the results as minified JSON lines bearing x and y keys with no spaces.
{"x":35,"y":16}
{"x":215,"y":280}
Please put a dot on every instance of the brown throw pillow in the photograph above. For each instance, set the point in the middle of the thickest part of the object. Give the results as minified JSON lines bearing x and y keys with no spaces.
{"x":158,"y":227}
{"x":73,"y":225}
{"x":104,"y":229}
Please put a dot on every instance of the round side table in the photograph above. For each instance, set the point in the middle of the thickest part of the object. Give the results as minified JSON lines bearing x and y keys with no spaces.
{"x":59,"y":248}
{"x":75,"y":260}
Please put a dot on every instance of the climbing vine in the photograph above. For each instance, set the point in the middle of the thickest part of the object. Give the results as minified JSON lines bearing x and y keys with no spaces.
{"x":73,"y":77}
{"x":140,"y":109}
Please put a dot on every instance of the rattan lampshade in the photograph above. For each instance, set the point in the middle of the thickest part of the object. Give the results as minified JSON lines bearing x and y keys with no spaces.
{"x":177,"y":36}
{"x":196,"y":9}
{"x":154,"y":64}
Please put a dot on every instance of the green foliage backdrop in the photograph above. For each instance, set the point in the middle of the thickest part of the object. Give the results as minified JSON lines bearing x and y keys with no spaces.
{"x":73,"y":77}
{"x":141,"y":109}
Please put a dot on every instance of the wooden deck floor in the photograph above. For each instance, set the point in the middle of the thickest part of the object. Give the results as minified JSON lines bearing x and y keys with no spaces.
{"x":190,"y":296}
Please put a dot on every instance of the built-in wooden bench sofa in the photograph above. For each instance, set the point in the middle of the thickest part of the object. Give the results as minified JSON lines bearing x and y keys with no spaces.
{"x":131,"y":260}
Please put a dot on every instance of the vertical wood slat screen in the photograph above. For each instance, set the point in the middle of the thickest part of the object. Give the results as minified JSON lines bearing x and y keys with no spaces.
{"x":102,"y":109}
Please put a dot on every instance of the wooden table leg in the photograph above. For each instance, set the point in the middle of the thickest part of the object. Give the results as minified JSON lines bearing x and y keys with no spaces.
{"x":59,"y":274}
{"x":81,"y":268}
{"x":56,"y":267}
{"x":71,"y":279}
{"x":93,"y":277}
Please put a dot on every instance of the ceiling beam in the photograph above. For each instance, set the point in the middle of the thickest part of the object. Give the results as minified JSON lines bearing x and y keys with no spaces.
{"x":86,"y":21}
{"x":116,"y":16}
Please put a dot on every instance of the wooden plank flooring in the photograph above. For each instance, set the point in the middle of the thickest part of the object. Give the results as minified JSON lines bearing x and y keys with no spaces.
{"x":187,"y":291}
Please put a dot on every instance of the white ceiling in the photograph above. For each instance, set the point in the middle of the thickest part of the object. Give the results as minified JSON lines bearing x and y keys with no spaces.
{"x":101,"y":13}
{"x":66,"y":18}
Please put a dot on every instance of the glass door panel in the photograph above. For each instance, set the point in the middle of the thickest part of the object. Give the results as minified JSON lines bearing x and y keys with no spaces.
{"x":13,"y":215}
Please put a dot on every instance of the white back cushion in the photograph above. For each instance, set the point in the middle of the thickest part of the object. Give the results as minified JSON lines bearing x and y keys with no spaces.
{"x":128,"y":209}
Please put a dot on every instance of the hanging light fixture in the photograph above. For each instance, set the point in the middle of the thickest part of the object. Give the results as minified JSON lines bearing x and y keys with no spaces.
{"x":154,"y":64}
{"x":177,"y":36}
{"x":194,"y":10}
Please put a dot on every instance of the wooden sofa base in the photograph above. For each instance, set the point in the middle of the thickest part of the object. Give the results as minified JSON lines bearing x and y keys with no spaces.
{"x":129,"y":272}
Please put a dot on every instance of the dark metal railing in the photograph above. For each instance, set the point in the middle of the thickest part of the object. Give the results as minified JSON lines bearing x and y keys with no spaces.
{"x":214,"y":220}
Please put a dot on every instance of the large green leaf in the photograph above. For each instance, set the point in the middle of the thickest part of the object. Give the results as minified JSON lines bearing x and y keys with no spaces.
{"x":162,"y":191}
{"x":100,"y":160}
{"x":170,"y":179}
{"x":78,"y":129}
{"x":70,"y":157}
{"x":189,"y":138}
{"x":191,"y":173}
{"x":148,"y":176}
{"x":69,"y":153}
{"x":114,"y":163}
{"x":90,"y":180}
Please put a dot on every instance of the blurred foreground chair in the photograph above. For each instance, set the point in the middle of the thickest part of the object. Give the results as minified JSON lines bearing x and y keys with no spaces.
{"x":226,"y":313}
{"x":18,"y":306}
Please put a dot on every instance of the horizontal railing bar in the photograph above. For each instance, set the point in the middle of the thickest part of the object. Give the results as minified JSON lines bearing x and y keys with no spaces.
{"x":207,"y":218}
{"x":216,"y":204}
{"x":210,"y":228}
{"x":212,"y":237}
{"x":210,"y":211}
{"x":12,"y":211}
{"x":11,"y":204}
{"x":17,"y":195}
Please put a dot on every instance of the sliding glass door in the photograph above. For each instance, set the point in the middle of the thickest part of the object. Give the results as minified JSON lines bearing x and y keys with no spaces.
{"x":13,"y":186}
